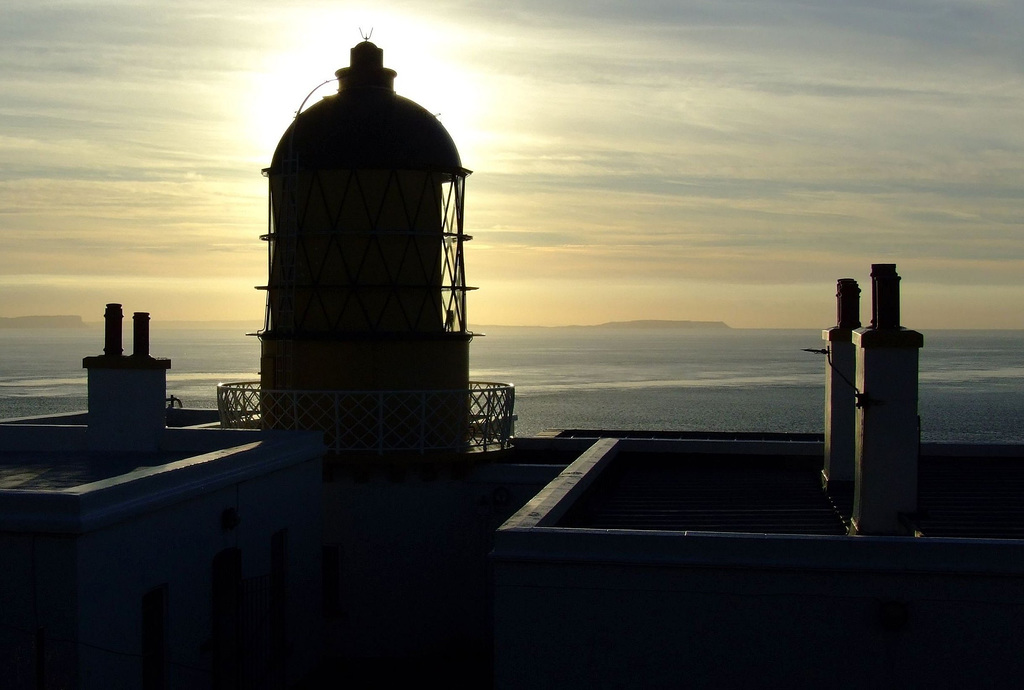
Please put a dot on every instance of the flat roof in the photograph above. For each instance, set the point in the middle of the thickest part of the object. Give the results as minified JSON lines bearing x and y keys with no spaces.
{"x":53,"y":470}
{"x":767,"y":484}
{"x":50,"y":481}
{"x":643,"y":434}
{"x":971,"y":496}
{"x":765,"y":494}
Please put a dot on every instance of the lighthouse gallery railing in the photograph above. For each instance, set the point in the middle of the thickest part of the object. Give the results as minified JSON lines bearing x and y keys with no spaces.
{"x":475,"y":419}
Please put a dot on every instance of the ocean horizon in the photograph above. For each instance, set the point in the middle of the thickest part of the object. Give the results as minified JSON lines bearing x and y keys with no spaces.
{"x":686,"y":379}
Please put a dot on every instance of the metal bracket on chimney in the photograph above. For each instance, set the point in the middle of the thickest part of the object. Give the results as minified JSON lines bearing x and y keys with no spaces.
{"x":864,"y":401}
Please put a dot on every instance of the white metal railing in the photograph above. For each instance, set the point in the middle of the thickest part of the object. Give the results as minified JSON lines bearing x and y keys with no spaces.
{"x":478,"y":418}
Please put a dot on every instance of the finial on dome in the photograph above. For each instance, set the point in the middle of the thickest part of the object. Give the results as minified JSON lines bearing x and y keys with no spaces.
{"x":366,"y":68}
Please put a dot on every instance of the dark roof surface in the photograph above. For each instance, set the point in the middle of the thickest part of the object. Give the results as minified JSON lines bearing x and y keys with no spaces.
{"x":959,"y":497}
{"x":56,"y":471}
{"x":971,"y":497}
{"x":690,"y":435}
{"x":710,"y":492}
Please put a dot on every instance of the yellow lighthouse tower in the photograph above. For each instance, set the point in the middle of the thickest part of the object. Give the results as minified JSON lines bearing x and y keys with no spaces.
{"x":366,"y":340}
{"x":366,"y":335}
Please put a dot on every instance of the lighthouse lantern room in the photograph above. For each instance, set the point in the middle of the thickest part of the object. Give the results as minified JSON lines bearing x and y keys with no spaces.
{"x":366,"y":333}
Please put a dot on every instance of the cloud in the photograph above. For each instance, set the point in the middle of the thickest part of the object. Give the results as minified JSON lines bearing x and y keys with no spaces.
{"x":614,"y":144}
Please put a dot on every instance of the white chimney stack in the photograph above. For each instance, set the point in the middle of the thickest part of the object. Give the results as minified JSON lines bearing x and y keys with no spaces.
{"x":127,"y":395}
{"x":888,"y":434}
{"x":839,"y":391}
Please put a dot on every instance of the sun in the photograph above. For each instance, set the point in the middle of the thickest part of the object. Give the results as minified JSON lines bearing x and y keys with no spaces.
{"x":423,"y":51}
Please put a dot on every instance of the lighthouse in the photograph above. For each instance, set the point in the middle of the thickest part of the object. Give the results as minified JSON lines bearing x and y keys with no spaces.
{"x":366,"y":339}
{"x":366,"y":335}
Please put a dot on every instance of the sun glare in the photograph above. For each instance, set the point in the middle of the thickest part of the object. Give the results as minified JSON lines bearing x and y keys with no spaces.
{"x":423,"y":52}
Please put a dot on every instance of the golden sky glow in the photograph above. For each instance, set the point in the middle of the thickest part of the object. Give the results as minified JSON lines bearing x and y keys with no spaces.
{"x":685,"y":160}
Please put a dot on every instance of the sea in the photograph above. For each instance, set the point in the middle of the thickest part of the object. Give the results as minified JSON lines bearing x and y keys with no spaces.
{"x":971,"y":382}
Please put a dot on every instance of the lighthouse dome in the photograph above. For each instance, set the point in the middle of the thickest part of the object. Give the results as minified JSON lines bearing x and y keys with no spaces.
{"x":366,"y":125}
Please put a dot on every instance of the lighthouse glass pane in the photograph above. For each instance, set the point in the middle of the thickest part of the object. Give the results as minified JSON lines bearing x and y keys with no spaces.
{"x":366,"y":251}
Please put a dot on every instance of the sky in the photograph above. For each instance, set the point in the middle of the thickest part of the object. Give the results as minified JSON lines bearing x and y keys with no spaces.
{"x":645,"y":159}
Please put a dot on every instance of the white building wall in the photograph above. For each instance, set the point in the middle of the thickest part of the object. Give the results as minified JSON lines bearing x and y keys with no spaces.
{"x":413,"y":570}
{"x":119,"y":564}
{"x":175,"y":547}
{"x":37,"y":591}
{"x":733,"y":611}
{"x":264,"y":508}
{"x":82,"y":573}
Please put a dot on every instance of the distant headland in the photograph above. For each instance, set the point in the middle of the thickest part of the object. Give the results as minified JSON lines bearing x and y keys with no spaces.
{"x":42,"y":322}
{"x":637,"y":325}
{"x":643,"y":324}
